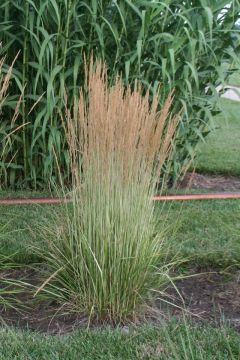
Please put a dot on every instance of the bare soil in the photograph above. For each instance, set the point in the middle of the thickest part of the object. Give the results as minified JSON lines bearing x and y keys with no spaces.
{"x":210,"y":182}
{"x":28,"y":312}
{"x":208,"y":296}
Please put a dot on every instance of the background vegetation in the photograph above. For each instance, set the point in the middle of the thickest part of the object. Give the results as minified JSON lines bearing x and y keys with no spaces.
{"x":178,"y":44}
{"x":220,"y":153}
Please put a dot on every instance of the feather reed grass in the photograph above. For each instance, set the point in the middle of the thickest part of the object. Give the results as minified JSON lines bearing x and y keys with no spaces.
{"x":105,"y":251}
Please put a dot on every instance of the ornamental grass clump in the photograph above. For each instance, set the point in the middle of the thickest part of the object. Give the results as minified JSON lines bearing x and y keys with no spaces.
{"x":104,"y":251}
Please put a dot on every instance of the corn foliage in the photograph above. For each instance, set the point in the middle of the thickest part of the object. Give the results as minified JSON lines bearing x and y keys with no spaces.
{"x":7,"y":128}
{"x":180,"y":44}
{"x":104,"y":253}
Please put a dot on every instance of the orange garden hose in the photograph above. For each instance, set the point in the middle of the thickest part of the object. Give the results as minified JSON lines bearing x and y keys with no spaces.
{"x":213,"y":196}
{"x":34,"y":201}
{"x":191,"y":197}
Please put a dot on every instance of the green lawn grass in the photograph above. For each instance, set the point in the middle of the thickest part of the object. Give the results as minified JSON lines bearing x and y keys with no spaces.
{"x":234,"y":79}
{"x":18,"y":226}
{"x":207,"y":232}
{"x":173,"y":341}
{"x":220,"y":153}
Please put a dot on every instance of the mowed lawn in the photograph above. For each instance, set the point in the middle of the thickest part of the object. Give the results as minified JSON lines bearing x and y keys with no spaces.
{"x":200,"y":233}
{"x":172,"y":341}
{"x":220,"y":153}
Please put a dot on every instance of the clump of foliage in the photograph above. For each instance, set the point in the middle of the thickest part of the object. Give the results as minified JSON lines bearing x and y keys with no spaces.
{"x":7,"y":128}
{"x":179,"y":44}
{"x":104,"y":253}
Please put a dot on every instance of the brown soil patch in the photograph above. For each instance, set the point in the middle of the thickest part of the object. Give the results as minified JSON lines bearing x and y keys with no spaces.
{"x":30,"y":313}
{"x":210,"y":182}
{"x":207,"y":296}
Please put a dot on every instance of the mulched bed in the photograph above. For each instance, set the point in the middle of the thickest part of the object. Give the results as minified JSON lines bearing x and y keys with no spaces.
{"x":210,"y":182}
{"x":209,"y":296}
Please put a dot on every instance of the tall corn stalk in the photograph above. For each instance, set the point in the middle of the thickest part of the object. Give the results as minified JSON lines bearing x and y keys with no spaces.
{"x":5,"y":127}
{"x":24,"y":78}
{"x":104,"y":254}
{"x":181,"y":45}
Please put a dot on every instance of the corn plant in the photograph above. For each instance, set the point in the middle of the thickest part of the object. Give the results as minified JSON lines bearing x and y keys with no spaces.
{"x":105,"y":257}
{"x":180,"y":45}
{"x":8,"y":127}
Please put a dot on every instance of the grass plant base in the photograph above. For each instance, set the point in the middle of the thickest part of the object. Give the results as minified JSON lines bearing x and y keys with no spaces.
{"x":209,"y":296}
